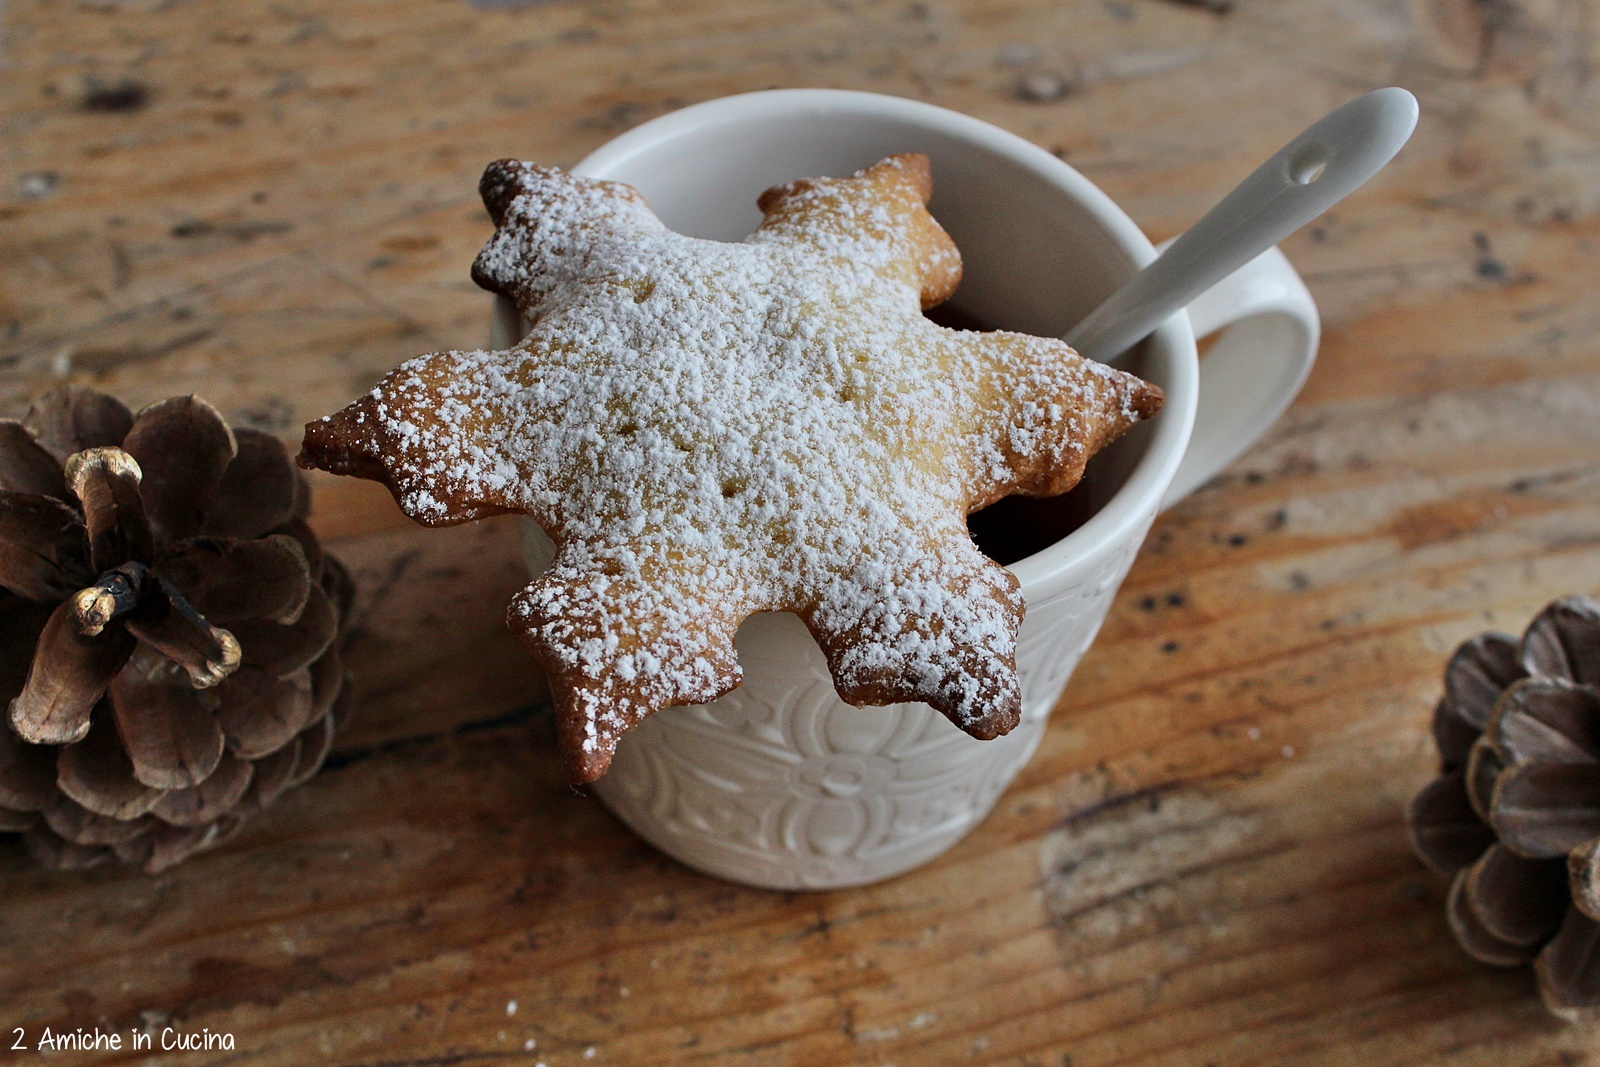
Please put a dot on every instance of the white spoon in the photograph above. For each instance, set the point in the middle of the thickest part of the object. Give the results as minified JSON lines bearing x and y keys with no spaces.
{"x":1306,"y":177}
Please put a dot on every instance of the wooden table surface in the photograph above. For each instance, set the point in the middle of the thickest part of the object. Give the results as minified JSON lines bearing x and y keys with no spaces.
{"x":273,"y":203}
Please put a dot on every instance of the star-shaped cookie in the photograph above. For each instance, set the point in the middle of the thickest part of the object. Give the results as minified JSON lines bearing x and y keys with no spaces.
{"x":707,"y":430}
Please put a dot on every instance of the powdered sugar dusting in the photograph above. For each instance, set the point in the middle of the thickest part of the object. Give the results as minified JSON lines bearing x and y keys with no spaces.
{"x":707,"y":430}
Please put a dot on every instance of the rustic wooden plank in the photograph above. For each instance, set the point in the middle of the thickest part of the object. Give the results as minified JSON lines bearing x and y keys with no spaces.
{"x":1204,"y":864}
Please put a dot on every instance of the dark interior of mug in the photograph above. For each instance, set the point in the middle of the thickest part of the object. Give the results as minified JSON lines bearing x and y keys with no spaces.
{"x":1035,"y":259}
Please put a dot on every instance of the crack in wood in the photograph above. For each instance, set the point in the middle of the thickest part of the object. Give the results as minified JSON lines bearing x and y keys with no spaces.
{"x":340,"y":758}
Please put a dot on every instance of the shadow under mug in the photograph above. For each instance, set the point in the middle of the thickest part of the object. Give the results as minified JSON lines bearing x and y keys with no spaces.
{"x":780,"y":783}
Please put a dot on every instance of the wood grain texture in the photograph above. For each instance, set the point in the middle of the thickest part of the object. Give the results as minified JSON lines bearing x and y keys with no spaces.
{"x":273,"y":204}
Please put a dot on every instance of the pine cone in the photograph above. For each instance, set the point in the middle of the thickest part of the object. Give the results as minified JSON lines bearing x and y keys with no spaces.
{"x":140,"y":728}
{"x":1515,"y":812}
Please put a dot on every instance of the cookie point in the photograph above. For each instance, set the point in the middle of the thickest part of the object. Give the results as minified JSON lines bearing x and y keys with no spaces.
{"x":912,"y":168}
{"x":1148,"y":400}
{"x":501,"y":182}
{"x":337,"y":444}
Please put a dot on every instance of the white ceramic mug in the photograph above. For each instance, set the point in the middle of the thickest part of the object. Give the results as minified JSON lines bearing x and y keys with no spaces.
{"x":780,"y":783}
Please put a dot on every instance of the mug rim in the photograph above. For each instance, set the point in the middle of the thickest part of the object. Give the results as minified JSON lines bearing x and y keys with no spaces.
{"x":1122,"y":517}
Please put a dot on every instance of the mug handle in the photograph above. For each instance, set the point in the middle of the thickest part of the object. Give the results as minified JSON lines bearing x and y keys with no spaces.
{"x":1269,"y":331}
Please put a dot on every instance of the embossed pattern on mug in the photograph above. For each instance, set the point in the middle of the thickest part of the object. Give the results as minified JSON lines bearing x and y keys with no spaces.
{"x":782,"y":784}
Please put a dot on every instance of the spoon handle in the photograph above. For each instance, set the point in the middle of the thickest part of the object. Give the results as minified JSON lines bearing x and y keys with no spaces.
{"x":1310,"y":174}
